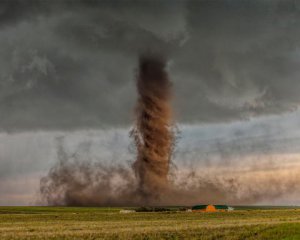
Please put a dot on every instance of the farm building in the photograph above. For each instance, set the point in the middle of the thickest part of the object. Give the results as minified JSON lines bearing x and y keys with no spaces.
{"x":211,"y":208}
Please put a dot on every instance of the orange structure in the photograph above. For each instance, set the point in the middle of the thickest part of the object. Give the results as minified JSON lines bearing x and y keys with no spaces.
{"x":210,"y":208}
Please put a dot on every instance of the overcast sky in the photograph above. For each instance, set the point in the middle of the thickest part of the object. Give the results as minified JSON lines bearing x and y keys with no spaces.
{"x":67,"y":68}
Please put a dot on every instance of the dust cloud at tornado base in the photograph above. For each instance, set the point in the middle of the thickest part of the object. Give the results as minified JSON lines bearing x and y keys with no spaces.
{"x":75,"y":180}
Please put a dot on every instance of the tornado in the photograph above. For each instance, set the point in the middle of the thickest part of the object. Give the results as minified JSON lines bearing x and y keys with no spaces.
{"x":153,"y":133}
{"x":73,"y":181}
{"x":77,"y":181}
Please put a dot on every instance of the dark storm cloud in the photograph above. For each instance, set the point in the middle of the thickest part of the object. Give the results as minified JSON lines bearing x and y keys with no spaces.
{"x":71,"y":64}
{"x":13,"y":11}
{"x":242,"y":59}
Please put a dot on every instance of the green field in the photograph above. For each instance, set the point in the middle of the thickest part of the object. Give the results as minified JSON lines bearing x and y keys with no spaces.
{"x":108,"y":223}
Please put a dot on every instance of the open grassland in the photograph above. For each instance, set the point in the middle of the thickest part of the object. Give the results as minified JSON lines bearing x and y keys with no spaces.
{"x":108,"y":223}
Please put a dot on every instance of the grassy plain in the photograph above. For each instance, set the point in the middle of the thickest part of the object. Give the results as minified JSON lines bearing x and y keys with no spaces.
{"x":108,"y":223}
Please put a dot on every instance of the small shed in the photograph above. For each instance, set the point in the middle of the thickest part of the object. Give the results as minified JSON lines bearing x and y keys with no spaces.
{"x":210,"y":208}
